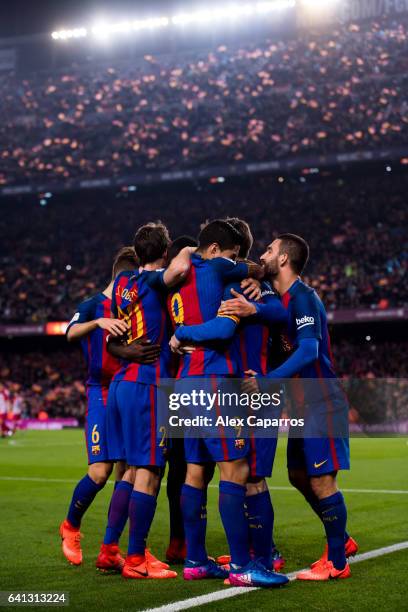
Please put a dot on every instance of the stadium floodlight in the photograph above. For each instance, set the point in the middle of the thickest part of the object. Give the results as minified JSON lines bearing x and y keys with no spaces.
{"x":123,"y":26}
{"x":101,"y":30}
{"x":278,"y":5}
{"x":67,"y":34}
{"x":151,"y":23}
{"x":318,"y":3}
{"x":227,"y":13}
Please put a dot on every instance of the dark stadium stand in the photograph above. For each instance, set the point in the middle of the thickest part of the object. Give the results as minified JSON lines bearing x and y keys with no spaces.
{"x":318,"y":93}
{"x":356,"y":227}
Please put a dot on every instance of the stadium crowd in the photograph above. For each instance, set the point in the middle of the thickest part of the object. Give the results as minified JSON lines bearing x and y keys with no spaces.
{"x":53,"y":381}
{"x":47,"y":381}
{"x":356,"y":227}
{"x":316,"y":93}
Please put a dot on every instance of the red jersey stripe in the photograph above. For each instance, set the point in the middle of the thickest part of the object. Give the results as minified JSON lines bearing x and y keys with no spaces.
{"x":190,"y":292}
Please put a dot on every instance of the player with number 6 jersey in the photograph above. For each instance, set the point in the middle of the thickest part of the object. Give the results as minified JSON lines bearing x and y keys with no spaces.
{"x":91,"y":325}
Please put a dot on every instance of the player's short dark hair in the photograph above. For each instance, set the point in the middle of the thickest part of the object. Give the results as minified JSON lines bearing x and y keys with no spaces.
{"x":151,"y":242}
{"x":245,"y":231}
{"x":125,"y":259}
{"x":221,"y":232}
{"x":297,"y":250}
{"x":180,"y":243}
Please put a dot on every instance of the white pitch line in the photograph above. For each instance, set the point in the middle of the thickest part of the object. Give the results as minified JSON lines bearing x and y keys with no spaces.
{"x":28,"y":444}
{"x":389,"y":491}
{"x":201,"y":600}
{"x":38,"y":479}
{"x":213,"y":486}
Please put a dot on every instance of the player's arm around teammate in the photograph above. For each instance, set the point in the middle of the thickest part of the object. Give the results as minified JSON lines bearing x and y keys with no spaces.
{"x":313,"y":462}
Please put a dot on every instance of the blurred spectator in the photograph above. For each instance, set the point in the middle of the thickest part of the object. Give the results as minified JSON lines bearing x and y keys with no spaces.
{"x":53,"y":257}
{"x":336,"y":91}
{"x":51,"y":381}
{"x":48,"y":381}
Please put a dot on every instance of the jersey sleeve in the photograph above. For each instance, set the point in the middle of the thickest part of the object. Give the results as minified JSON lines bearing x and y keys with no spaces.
{"x":155,"y":280}
{"x":221,"y":327}
{"x":272,"y":311}
{"x":84,"y":313}
{"x":229,"y":270}
{"x":306,"y":314}
{"x":227,"y":295}
{"x":307,"y":352}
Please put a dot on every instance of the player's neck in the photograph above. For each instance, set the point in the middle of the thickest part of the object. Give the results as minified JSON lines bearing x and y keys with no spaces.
{"x":153,"y":265}
{"x":284,"y":282}
{"x":108,"y":290}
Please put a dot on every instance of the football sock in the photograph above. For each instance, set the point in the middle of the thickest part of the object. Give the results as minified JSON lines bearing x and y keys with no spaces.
{"x":260,"y":520}
{"x":314,"y":504}
{"x":334,"y":516}
{"x":118,"y":512}
{"x":194,"y":509}
{"x":83,"y":496}
{"x":141,"y":512}
{"x":114,"y":488}
{"x":232,"y":511}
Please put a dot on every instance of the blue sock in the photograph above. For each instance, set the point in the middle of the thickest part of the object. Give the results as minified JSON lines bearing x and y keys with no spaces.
{"x":260,"y":521}
{"x":314,"y":504}
{"x":232,"y":511}
{"x":334,"y":516}
{"x":194,"y":508}
{"x":83,"y":496}
{"x":118,"y":512}
{"x":141,"y":512}
{"x":114,"y":488}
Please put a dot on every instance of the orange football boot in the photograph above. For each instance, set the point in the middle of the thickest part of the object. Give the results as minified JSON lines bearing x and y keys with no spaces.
{"x":71,"y":542}
{"x":351,"y":548}
{"x":136,"y":567}
{"x":110,"y":559}
{"x":223,"y":560}
{"x":153,"y":562}
{"x":324,"y":571}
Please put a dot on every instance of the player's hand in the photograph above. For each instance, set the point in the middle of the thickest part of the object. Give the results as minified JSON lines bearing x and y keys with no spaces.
{"x":115,"y":327}
{"x":186,"y":349}
{"x":239,"y":306}
{"x":252,"y":288}
{"x":142,"y":352}
{"x":250,"y":385}
{"x":180,"y":349}
{"x":175,"y":345}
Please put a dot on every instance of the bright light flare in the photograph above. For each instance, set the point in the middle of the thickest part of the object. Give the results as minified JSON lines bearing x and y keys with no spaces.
{"x":228,"y":13}
{"x":67,"y":34}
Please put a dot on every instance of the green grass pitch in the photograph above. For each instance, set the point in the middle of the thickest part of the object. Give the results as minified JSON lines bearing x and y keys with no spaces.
{"x":32,"y":505}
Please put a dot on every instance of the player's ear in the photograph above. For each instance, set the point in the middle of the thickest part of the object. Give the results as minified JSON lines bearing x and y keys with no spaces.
{"x":214,"y":248}
{"x":283,"y":259}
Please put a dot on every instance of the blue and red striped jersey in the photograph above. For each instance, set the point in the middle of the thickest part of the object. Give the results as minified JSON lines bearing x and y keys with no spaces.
{"x":252,"y":342}
{"x":101,"y":365}
{"x":197,"y":301}
{"x":135,"y":300}
{"x":307,"y":319}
